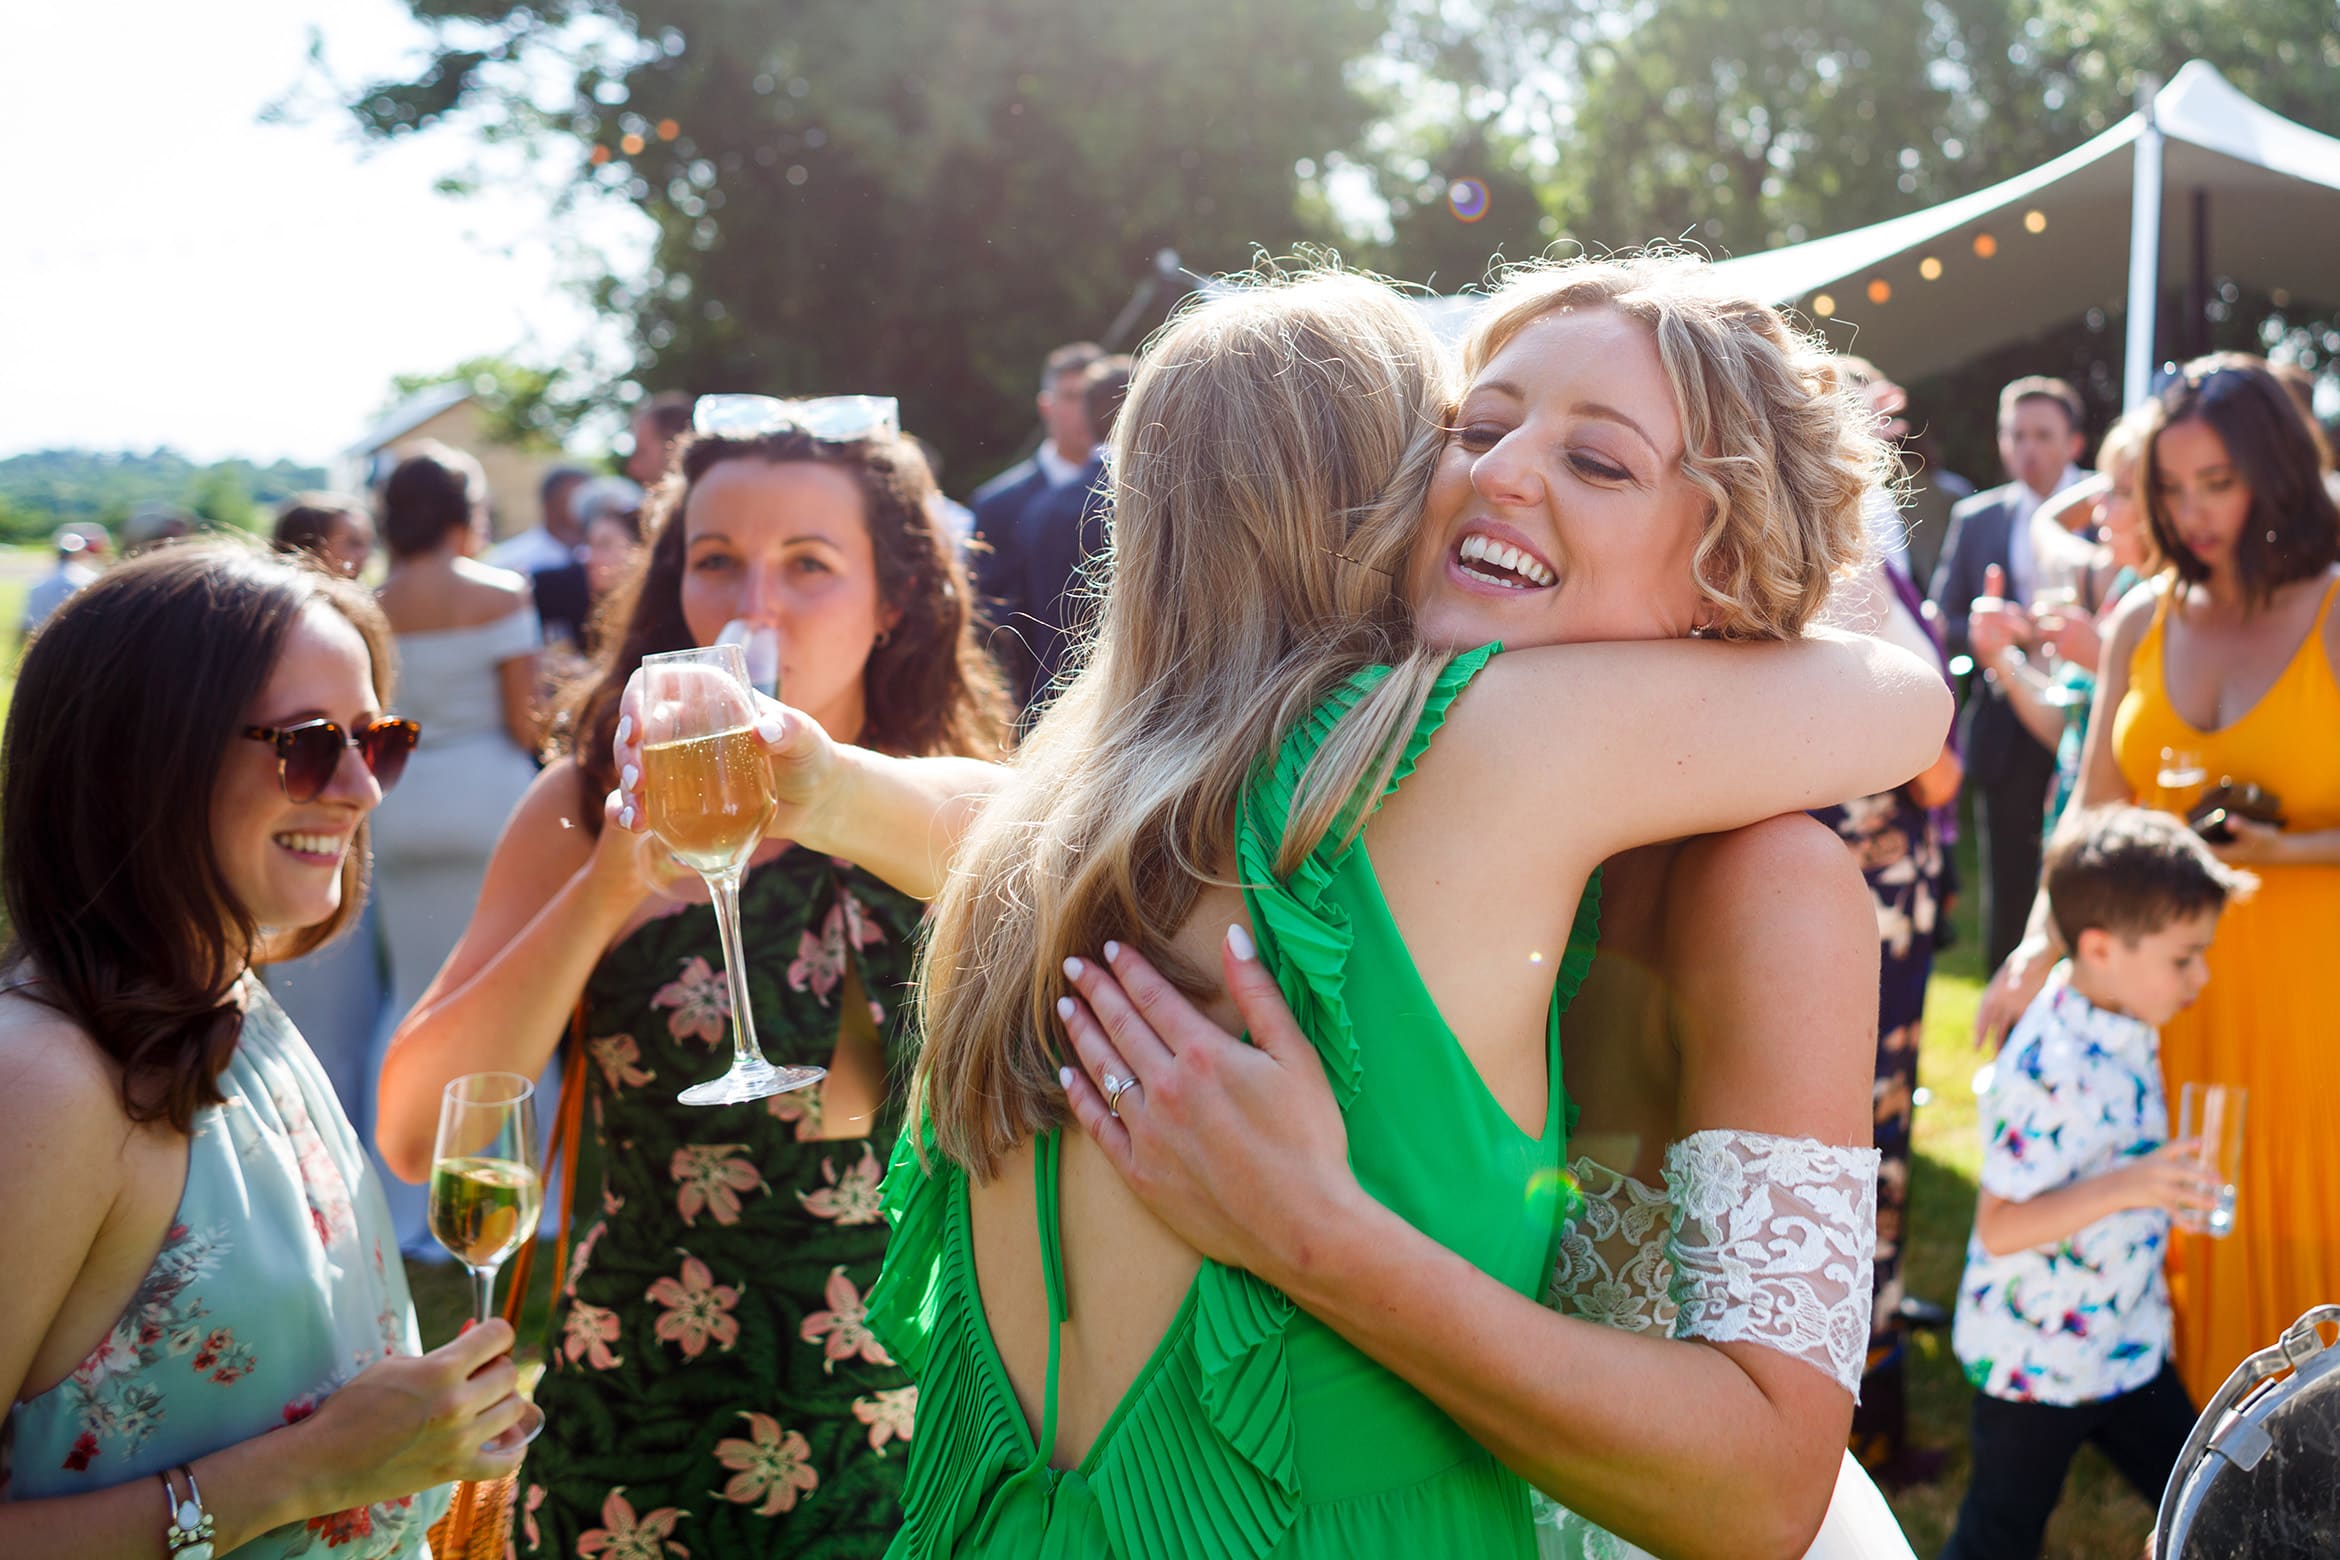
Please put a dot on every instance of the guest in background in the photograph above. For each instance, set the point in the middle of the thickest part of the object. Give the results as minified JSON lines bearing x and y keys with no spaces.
{"x":1065,"y":450}
{"x":2052,"y":696}
{"x":333,"y":529}
{"x":1043,"y":596}
{"x":955,"y":517}
{"x":1898,"y":837}
{"x":467,"y":641}
{"x":609,"y":519}
{"x":2007,"y":768}
{"x":153,"y":524}
{"x":81,"y":557}
{"x":711,"y":1327}
{"x":2229,"y":666}
{"x":201,"y":1271}
{"x":553,"y":541}
{"x":659,"y":425}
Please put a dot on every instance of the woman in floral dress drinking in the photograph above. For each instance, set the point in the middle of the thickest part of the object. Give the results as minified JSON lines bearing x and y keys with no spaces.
{"x":712,"y":1387}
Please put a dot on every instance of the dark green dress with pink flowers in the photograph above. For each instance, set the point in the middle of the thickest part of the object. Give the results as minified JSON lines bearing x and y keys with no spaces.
{"x":712,"y":1389}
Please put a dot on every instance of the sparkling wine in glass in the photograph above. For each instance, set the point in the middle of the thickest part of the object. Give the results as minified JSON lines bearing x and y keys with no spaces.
{"x":2181,"y":778}
{"x":707,"y":793}
{"x":486,"y":1192}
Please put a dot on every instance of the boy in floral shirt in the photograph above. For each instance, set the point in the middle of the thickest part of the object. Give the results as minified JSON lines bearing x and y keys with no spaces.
{"x":2063,"y":1316}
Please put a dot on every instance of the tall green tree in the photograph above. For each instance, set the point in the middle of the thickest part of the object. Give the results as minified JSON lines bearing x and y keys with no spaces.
{"x":892,"y":194}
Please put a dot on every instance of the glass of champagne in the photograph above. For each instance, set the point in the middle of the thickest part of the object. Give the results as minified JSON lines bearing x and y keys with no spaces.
{"x":707,"y":793}
{"x":2181,"y":778}
{"x":485,"y":1189}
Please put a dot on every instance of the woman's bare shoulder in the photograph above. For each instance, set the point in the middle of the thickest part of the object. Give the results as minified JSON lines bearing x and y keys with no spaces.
{"x":52,"y":1075}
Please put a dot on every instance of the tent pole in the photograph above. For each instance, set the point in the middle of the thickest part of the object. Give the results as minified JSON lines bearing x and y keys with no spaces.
{"x":2144,"y":249}
{"x":2196,"y":337}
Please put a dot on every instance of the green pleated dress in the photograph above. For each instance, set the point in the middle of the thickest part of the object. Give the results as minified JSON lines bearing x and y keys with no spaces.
{"x":1253,"y":1430}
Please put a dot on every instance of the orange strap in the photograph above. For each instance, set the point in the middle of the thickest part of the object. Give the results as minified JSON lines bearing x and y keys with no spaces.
{"x":562,"y":1145}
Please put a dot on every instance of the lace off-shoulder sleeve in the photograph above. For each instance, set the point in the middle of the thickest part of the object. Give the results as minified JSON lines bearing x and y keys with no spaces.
{"x":1773,"y":1241}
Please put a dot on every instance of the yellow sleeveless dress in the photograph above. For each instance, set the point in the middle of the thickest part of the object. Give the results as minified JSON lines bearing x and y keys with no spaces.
{"x":2270,"y":1017}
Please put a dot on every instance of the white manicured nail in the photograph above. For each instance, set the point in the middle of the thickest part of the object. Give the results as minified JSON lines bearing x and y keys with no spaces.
{"x":626,"y":818}
{"x":1072,"y":969}
{"x":1064,"y":1077}
{"x":1240,"y":940}
{"x":625,"y":728}
{"x":1112,"y":952}
{"x":769,"y":729}
{"x":1064,"y":1008}
{"x":630,"y":778}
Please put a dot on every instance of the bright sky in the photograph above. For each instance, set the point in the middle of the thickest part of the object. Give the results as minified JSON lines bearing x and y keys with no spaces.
{"x":172,"y":271}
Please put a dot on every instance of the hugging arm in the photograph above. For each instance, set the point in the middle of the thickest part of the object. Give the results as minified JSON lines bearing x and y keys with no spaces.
{"x":900,"y":818}
{"x":1242,"y":1151}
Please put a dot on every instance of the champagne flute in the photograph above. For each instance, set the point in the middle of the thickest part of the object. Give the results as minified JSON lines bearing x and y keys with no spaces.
{"x":707,"y":793}
{"x":485,"y":1189}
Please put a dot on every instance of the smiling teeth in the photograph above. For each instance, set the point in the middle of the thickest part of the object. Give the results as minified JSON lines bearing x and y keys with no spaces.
{"x":1479,"y":547}
{"x":311,"y":844}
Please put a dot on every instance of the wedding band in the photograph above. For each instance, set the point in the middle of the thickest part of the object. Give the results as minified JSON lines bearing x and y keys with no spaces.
{"x":1115,"y":1087}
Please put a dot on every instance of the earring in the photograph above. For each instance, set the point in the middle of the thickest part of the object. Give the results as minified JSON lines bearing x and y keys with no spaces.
{"x":885,"y":637}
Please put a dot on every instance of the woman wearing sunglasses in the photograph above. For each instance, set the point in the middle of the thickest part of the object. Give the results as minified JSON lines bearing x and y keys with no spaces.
{"x":204,"y":1296}
{"x":712,"y":1378}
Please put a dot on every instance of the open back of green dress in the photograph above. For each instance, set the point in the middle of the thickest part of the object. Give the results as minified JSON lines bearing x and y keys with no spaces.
{"x":1253,"y":1429}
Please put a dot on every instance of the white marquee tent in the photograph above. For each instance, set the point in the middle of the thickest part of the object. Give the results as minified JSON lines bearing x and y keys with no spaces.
{"x":2200,"y":181}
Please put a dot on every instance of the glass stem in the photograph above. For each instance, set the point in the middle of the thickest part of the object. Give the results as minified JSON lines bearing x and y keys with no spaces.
{"x":745,"y":1052}
{"x":483,"y":1292}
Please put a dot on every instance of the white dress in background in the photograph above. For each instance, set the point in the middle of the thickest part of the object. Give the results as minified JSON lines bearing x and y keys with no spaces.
{"x":1754,"y":1239}
{"x":433,"y":834}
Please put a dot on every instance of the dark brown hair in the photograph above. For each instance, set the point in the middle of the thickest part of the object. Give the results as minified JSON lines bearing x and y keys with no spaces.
{"x":430,"y":492}
{"x":2293,"y":530}
{"x":927,"y":688}
{"x":120,"y":914}
{"x":2039,"y":387}
{"x":2131,"y":871}
{"x":305,"y":524}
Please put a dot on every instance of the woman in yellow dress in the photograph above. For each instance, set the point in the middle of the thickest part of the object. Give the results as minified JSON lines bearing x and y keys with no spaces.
{"x":2230,"y":666}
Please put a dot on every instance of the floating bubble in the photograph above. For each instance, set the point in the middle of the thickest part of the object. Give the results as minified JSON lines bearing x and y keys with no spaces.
{"x":1467,"y":199}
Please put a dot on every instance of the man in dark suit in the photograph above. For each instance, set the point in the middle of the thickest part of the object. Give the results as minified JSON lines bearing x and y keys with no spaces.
{"x":1064,"y":452}
{"x":1046,"y":602}
{"x":2008,"y":771}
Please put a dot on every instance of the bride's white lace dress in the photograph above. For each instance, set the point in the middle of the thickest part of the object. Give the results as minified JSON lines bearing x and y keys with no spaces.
{"x":1754,"y":1239}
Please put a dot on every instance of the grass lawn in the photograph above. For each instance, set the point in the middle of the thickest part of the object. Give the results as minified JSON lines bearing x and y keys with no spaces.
{"x":2100,"y":1519}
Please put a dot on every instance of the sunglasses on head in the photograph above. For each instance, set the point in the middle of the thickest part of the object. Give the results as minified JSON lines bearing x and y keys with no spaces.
{"x":307,"y":753}
{"x":832,"y":419}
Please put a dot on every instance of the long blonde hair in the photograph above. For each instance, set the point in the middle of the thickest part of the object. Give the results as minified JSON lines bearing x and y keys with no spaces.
{"x":1774,"y":435}
{"x":1269,"y":470}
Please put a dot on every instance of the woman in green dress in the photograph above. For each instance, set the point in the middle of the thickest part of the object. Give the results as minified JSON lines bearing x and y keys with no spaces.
{"x":713,"y":1387}
{"x":1253,"y":712}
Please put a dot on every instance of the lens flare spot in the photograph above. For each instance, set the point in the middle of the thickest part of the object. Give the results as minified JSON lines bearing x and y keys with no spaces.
{"x":1467,"y":199}
{"x":1985,"y":246}
{"x":1930,"y":268}
{"x":1536,"y":956}
{"x":1880,"y":291}
{"x":668,"y":129}
{"x":631,"y":145}
{"x":1824,"y":305}
{"x":598,"y":156}
{"x":2035,"y":222}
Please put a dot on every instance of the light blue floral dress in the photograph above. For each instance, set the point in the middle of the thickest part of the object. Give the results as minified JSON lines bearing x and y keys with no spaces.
{"x":276,"y":1284}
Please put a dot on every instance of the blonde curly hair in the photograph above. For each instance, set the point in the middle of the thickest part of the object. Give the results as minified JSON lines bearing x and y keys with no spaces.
{"x":1774,"y":433}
